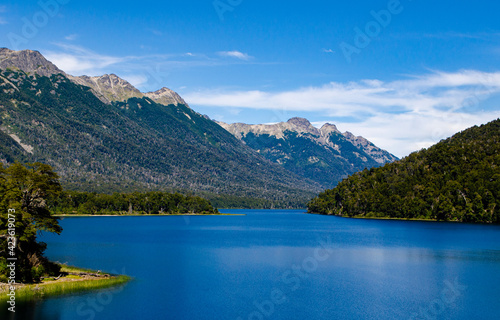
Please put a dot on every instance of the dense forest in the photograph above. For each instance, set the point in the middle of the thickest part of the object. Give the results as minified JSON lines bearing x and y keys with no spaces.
{"x":457,"y":179}
{"x":73,"y":202}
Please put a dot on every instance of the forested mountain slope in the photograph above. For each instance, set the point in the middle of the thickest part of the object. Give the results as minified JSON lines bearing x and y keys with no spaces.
{"x":457,"y":179}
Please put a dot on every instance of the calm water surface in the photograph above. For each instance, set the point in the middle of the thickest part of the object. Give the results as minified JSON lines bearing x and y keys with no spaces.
{"x":278,"y":264}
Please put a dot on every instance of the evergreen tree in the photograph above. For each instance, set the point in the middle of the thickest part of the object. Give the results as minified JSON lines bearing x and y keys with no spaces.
{"x":25,"y":190}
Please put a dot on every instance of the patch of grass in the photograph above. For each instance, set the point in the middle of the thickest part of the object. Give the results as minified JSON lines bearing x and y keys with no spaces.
{"x":69,"y":269}
{"x":64,"y":285}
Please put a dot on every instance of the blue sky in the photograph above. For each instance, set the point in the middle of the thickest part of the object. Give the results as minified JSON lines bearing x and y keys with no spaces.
{"x":404,"y":74}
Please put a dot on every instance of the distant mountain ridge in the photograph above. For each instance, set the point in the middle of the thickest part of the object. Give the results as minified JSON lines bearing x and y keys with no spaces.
{"x":324,"y":155}
{"x":108,"y":88}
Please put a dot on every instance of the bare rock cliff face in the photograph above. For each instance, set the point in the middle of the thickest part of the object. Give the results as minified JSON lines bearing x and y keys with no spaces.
{"x":31,"y":62}
{"x":166,"y":96}
{"x":277,"y":130}
{"x":109,"y":87}
{"x":299,"y":125}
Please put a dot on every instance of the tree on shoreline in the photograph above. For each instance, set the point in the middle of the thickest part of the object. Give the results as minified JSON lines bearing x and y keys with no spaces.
{"x":26,"y":188}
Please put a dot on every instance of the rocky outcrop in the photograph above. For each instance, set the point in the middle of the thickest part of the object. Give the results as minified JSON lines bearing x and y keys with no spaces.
{"x":109,"y":87}
{"x":28,"y":61}
{"x":166,"y":96}
{"x":299,"y":125}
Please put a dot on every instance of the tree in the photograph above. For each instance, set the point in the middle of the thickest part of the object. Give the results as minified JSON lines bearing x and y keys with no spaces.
{"x":26,"y":189}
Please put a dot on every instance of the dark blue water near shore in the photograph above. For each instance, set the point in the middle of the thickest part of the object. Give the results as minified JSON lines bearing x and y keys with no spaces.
{"x":279,"y":265}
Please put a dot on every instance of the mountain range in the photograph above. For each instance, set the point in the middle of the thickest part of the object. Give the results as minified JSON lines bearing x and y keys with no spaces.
{"x":324,"y":155}
{"x":108,"y":88}
{"x":102,"y":134}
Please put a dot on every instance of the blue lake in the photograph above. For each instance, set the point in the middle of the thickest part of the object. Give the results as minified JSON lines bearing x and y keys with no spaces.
{"x":278,"y":264}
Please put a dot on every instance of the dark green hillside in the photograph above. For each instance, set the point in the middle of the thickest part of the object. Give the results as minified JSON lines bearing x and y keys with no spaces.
{"x":457,"y":179}
{"x":10,"y":150}
{"x":137,"y":145}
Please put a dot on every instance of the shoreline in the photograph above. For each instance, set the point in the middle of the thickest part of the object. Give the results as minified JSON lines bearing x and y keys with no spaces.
{"x":383,"y":218}
{"x":146,"y":215}
{"x":72,"y":280}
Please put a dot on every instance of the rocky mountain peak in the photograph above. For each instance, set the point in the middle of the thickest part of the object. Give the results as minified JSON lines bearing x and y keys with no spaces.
{"x":109,"y":87}
{"x":301,"y":125}
{"x":300,"y":122}
{"x":328,"y":128}
{"x":166,"y":96}
{"x":379,"y":155}
{"x":28,"y":61}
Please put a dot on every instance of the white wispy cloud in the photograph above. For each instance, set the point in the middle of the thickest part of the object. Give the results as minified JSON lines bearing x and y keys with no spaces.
{"x":77,"y":60}
{"x":401,"y":116}
{"x":137,"y":80}
{"x":71,"y":37}
{"x":235,"y":54}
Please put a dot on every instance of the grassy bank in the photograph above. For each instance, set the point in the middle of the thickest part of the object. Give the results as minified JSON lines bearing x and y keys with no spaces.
{"x":72,"y":280}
